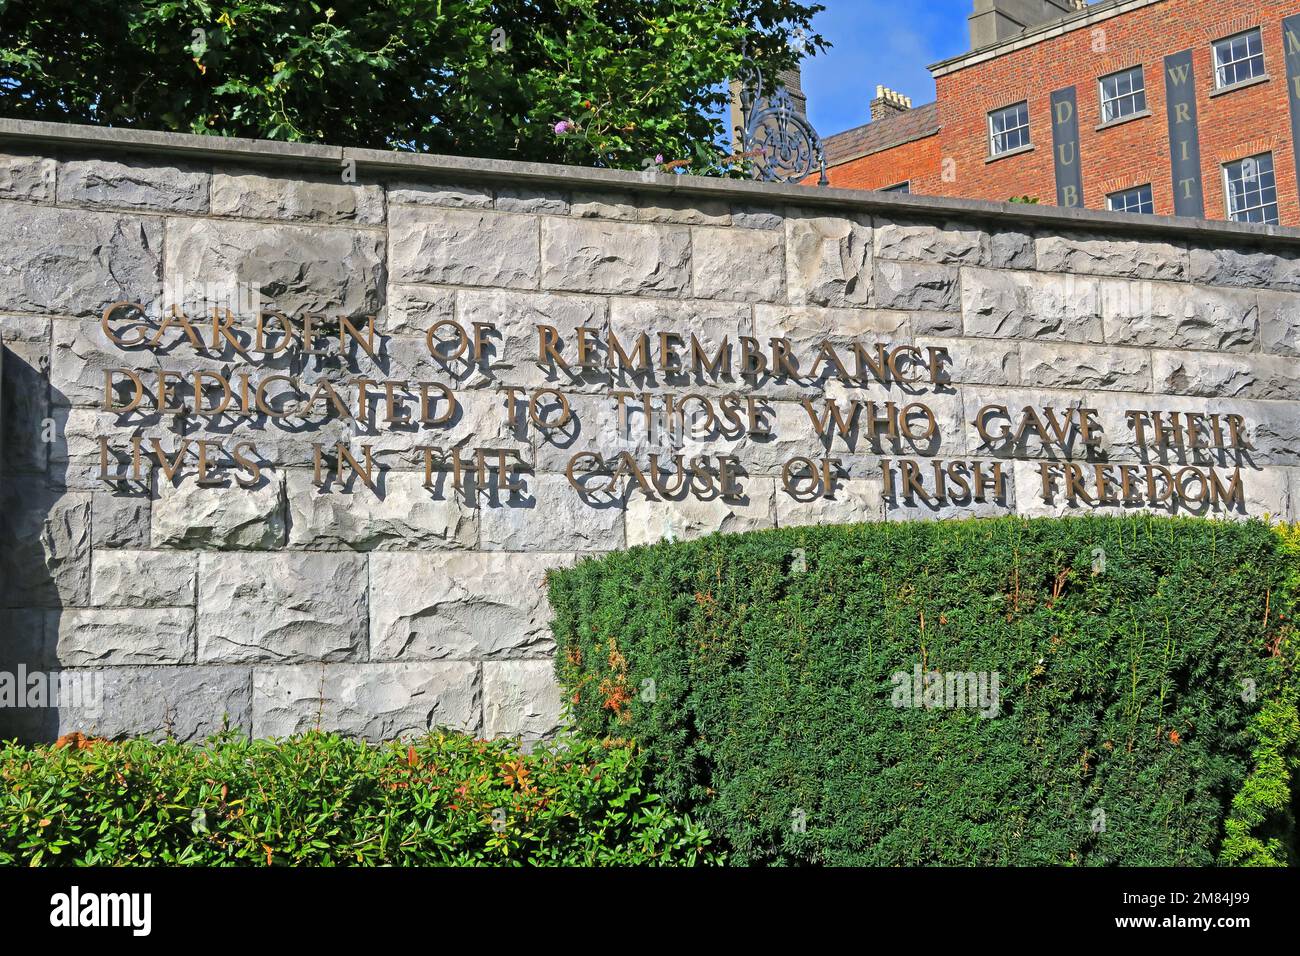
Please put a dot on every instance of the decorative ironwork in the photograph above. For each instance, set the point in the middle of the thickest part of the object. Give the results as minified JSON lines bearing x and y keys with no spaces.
{"x":778,"y":138}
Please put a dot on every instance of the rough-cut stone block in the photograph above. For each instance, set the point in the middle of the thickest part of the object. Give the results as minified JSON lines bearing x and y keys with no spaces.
{"x":615,"y":257}
{"x":463,"y":247}
{"x":481,"y":421}
{"x":372,"y":701}
{"x":512,"y":349}
{"x":973,"y":361}
{"x":186,"y":516}
{"x":76,"y":449}
{"x":1145,"y":259}
{"x":1022,"y":305}
{"x":288,"y":607}
{"x":400,"y":513}
{"x":1265,"y":493}
{"x":45,"y":557}
{"x":74,"y":262}
{"x":93,"y":637}
{"x":917,"y":286}
{"x":549,"y":515}
{"x":1227,"y":376}
{"x":291,"y":268}
{"x":413,"y":309}
{"x":914,"y":242}
{"x":828,"y":261}
{"x":743,"y":265}
{"x":1060,"y":365}
{"x":142,"y":579}
{"x":1031,"y":502}
{"x":690,"y":517}
{"x":531,"y":201}
{"x":463,"y":606}
{"x":188,"y":702}
{"x":82,"y":354}
{"x":1167,"y":315}
{"x":1248,"y":269}
{"x":1000,"y":412}
{"x":520,"y":699}
{"x":596,"y":205}
{"x":1012,"y":250}
{"x":120,"y":519}
{"x":694,"y":212}
{"x":26,"y":177}
{"x":807,"y":327}
{"x":1279,"y":317}
{"x":757,"y":217}
{"x":905,"y":504}
{"x":440,"y":194}
{"x":133,"y":185}
{"x":252,"y":196}
{"x":712,"y":324}
{"x":855,"y":500}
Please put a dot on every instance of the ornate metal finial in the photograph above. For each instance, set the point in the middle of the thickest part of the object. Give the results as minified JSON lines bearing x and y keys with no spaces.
{"x":776,"y":135}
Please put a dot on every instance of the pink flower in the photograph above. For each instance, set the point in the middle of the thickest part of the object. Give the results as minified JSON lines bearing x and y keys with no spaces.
{"x":659,"y":158}
{"x":562,"y":127}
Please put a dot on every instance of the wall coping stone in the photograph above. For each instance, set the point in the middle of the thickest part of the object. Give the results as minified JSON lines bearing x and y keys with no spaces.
{"x":1008,"y":216}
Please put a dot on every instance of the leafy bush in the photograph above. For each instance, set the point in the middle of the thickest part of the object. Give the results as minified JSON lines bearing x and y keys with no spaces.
{"x":325,"y":801}
{"x":630,"y":79}
{"x":1147,"y":692}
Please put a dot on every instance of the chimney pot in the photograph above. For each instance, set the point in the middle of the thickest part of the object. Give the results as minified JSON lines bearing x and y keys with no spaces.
{"x":888,"y":103}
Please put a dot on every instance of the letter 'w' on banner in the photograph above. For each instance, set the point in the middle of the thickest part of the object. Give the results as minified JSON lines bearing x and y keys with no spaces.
{"x":1065,"y":148}
{"x":1291,"y":47}
{"x":1184,"y":138}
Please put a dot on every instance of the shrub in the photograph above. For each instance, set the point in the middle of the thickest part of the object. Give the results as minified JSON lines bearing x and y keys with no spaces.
{"x":1147,"y":695}
{"x":325,"y":801}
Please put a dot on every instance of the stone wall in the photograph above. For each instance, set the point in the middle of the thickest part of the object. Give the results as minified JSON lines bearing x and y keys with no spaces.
{"x":297,"y":593}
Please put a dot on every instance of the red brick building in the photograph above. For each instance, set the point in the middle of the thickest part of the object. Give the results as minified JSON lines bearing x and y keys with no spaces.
{"x":1168,"y":106}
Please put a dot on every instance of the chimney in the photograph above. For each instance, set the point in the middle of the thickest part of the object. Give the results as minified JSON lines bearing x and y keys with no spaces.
{"x":888,"y":103}
{"x":996,"y":20}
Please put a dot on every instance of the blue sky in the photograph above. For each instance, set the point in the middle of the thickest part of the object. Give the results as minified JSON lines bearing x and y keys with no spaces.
{"x":879,"y":41}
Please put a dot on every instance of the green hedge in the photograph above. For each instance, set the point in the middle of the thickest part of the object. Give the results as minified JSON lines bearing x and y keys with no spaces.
{"x":759,"y":672}
{"x":324,"y":801}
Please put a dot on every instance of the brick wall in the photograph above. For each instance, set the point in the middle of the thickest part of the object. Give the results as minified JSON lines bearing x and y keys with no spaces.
{"x":1233,"y":125}
{"x":913,"y":161}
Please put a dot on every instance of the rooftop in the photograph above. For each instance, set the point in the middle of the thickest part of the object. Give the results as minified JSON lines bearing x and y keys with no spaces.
{"x":881,"y":134}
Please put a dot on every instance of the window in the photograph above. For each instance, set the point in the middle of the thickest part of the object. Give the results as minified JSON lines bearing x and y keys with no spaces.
{"x":1251,"y":189}
{"x":1008,"y":129}
{"x":1123,"y":94}
{"x":1238,"y":59}
{"x":1137,"y":199}
{"x":898,"y":188}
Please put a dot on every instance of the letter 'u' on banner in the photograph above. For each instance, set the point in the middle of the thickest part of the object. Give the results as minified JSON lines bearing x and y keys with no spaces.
{"x":1065,"y":149}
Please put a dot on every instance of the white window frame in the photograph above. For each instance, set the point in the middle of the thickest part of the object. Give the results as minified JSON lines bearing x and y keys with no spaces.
{"x":993,"y":136}
{"x":1138,"y":210}
{"x":1221,"y":67}
{"x":1137,"y":96}
{"x":1227,"y":192}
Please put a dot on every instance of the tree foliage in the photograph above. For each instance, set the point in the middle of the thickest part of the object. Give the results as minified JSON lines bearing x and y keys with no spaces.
{"x":624,"y":80}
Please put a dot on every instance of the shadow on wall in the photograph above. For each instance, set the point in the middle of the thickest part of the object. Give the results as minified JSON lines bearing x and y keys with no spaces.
{"x":71,"y":658}
{"x":36,"y":519}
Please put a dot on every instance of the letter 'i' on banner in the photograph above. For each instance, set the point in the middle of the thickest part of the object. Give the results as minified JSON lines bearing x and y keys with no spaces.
{"x":1065,"y":148}
{"x":1184,"y":138}
{"x":1291,"y":47}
